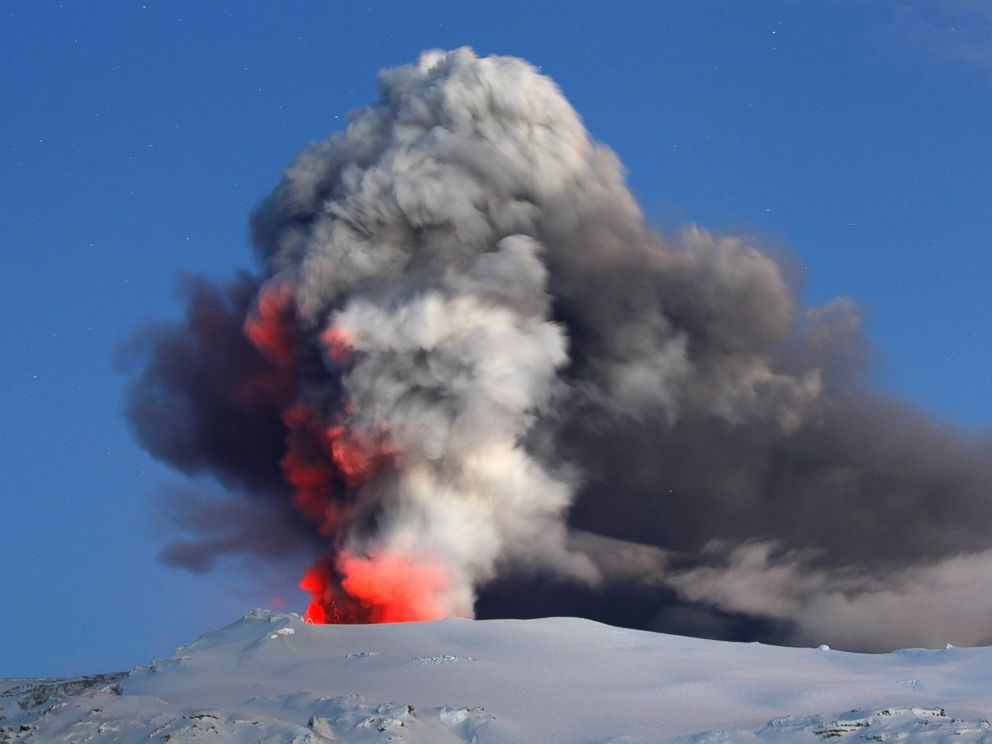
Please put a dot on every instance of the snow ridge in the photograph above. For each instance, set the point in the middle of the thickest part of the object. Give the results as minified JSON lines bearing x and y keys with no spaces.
{"x":273,"y":678}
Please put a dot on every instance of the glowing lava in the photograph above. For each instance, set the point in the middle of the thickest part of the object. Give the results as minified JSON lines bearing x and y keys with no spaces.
{"x":315,"y":581}
{"x":385,"y":588}
{"x":269,"y":328}
{"x":395,"y":589}
{"x":324,"y":463}
{"x":338,"y":344}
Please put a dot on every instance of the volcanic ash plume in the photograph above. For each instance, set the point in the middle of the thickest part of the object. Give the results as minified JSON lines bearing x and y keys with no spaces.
{"x":469,"y":375}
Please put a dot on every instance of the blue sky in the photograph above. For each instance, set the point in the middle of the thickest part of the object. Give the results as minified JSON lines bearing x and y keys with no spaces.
{"x":137,"y":136}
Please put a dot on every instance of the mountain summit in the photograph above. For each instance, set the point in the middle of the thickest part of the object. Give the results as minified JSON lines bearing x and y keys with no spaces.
{"x":274,"y":678}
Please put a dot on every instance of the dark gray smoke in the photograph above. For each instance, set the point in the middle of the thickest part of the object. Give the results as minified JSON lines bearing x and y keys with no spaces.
{"x":468,"y":362}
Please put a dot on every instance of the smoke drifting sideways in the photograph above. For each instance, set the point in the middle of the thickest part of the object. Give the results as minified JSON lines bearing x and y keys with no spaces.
{"x":470,"y":379}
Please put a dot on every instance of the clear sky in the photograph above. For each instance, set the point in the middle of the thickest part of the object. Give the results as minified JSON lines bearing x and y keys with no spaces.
{"x":137,"y":136}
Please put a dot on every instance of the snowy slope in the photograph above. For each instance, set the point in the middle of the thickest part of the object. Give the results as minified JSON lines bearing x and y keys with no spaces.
{"x":272,"y":678}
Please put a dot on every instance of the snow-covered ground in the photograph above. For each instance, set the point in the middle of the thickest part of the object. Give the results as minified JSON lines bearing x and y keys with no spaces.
{"x":271,"y":678}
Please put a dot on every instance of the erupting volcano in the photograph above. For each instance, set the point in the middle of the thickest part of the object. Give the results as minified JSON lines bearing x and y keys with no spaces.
{"x":469,"y":378}
{"x":328,"y":460}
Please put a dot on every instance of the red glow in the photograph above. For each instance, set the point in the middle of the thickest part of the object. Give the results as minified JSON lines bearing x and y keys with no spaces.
{"x":311,"y":486}
{"x":328,"y":602}
{"x":270,"y":327}
{"x":314,"y":582}
{"x":339,"y":344}
{"x":315,"y":614}
{"x":393,"y":588}
{"x":321,"y":463}
{"x":297,"y":417}
{"x":272,"y":377}
{"x":385,"y":588}
{"x":352,"y":452}
{"x":324,"y":461}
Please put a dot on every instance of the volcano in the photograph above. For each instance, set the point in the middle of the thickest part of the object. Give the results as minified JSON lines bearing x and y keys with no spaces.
{"x":275,"y":678}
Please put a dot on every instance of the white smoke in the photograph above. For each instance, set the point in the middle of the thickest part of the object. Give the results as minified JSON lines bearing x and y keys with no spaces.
{"x":477,"y":304}
{"x":931,"y":603}
{"x":415,"y":232}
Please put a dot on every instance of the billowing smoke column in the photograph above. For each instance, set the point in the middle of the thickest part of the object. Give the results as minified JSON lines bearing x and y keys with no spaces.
{"x":470,"y":378}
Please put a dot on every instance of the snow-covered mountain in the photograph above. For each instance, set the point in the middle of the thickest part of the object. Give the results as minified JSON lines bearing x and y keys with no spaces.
{"x":272,"y":678}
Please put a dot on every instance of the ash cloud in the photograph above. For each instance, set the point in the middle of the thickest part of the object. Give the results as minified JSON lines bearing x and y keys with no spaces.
{"x":215,"y":526}
{"x":467,"y":359}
